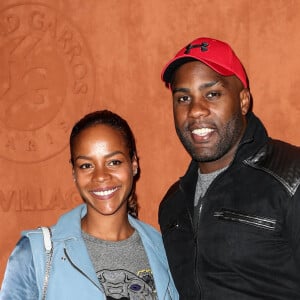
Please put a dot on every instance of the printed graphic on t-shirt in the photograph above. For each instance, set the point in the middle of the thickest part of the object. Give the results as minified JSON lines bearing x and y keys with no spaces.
{"x":122,"y":284}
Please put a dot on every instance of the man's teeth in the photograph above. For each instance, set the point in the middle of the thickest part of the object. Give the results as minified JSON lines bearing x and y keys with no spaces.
{"x":105,"y":193}
{"x":202,"y":131}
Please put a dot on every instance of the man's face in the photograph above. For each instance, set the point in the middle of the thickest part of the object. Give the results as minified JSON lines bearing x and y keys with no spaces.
{"x":209,"y":114}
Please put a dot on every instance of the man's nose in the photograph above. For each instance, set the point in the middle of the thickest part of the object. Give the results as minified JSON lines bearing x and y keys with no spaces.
{"x":199,"y":107}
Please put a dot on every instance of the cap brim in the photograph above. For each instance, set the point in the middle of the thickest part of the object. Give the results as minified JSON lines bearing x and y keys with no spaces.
{"x":169,"y":69}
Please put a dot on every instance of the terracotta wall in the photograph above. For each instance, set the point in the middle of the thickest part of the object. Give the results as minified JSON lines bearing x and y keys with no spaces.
{"x":63,"y":58}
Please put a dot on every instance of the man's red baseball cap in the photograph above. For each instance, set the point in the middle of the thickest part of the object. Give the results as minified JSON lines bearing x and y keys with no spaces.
{"x":216,"y":54}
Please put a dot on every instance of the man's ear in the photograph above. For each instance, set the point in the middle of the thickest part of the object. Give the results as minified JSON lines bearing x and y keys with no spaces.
{"x":245,"y":101}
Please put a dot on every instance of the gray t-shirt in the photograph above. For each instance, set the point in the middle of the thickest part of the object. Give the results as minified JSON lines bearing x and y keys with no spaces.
{"x":122,"y":267}
{"x":203,"y":183}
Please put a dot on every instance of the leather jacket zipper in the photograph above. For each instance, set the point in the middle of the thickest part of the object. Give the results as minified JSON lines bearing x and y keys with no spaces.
{"x":195,"y":242}
{"x":261,"y":222}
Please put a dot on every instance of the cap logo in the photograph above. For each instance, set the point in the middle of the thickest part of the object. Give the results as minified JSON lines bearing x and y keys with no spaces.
{"x":203,"y":47}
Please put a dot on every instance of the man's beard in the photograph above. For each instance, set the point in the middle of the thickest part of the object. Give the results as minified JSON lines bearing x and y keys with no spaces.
{"x":228,"y":137}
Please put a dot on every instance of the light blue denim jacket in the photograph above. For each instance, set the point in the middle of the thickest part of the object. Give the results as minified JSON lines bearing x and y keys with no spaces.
{"x":72,"y":275}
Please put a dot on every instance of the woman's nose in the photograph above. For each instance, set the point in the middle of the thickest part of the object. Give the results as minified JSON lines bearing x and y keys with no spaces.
{"x":101,"y":174}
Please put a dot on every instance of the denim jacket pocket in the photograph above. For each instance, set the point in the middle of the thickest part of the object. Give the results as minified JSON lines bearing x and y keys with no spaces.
{"x":241,"y":217}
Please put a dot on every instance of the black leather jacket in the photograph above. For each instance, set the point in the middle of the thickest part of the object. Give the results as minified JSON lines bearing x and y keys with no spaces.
{"x":246,"y":245}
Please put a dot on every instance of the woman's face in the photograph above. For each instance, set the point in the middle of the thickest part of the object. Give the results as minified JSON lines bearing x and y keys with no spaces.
{"x":103,"y":170}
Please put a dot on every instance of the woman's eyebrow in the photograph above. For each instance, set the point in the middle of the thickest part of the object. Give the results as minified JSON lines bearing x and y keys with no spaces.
{"x":82,"y":157}
{"x":86,"y":157}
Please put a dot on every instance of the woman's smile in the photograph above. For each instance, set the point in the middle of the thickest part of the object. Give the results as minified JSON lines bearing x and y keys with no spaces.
{"x":104,"y":193}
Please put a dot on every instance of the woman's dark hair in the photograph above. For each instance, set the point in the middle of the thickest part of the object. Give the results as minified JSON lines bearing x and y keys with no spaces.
{"x":113,"y":120}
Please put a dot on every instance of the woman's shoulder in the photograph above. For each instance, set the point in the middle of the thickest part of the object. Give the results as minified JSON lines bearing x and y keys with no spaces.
{"x":20,"y":280}
{"x":145,"y":229}
{"x":22,"y":251}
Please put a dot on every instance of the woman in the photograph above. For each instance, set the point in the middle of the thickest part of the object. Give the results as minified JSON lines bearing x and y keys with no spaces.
{"x":100,"y":250}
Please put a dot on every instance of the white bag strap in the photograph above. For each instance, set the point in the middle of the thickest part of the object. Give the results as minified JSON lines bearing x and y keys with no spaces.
{"x":49,"y":252}
{"x":47,"y":238}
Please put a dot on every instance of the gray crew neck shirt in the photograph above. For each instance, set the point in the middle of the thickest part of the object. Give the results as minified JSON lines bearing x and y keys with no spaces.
{"x":122,"y":267}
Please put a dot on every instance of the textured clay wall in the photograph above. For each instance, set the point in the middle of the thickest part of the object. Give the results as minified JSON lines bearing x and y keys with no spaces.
{"x":63,"y":58}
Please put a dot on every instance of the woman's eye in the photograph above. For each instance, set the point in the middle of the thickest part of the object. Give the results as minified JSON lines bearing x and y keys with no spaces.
{"x":85,"y":166}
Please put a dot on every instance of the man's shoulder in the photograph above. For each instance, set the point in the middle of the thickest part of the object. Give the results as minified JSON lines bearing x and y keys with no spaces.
{"x":280,"y":159}
{"x":171,"y":192}
{"x":285,"y":148}
{"x":181,"y":189}
{"x":173,"y":204}
{"x":278,"y":156}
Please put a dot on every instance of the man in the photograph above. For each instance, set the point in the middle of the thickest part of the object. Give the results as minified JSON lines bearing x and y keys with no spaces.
{"x":231,"y":224}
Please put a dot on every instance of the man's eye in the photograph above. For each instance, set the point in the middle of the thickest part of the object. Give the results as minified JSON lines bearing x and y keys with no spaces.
{"x":213,"y":95}
{"x":114,"y":162}
{"x":183,"y":99}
